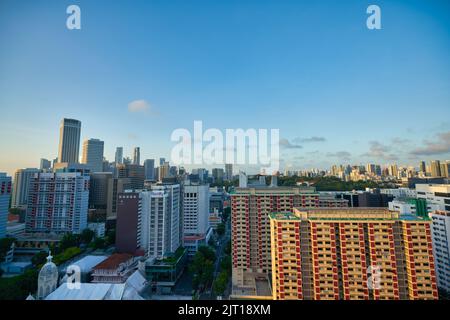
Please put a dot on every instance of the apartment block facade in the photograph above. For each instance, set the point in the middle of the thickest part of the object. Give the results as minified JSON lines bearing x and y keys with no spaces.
{"x":58,"y":203}
{"x":438,"y":195}
{"x":351,"y":254}
{"x":5,"y":194}
{"x":250,"y":224}
{"x":21,"y":186}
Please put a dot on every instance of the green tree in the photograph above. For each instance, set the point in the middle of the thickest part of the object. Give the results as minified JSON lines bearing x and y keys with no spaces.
{"x":39,"y":258}
{"x":227,"y":249}
{"x":220,"y":229}
{"x":110,"y":237}
{"x":202,"y":267}
{"x":18,"y":288}
{"x":225,"y":264}
{"x":98,"y":243}
{"x":66,"y":255}
{"x":87,"y":235}
{"x":5,"y":245}
{"x":207,"y":252}
{"x":226,"y":214}
{"x":69,"y":240}
{"x":220,"y":283}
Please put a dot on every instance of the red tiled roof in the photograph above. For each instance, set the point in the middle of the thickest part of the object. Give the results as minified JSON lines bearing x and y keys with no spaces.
{"x":192,"y":238}
{"x":113,"y":261}
{"x":13,"y":218}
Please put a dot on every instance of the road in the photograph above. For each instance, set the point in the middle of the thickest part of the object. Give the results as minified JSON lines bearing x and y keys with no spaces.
{"x":220,"y":254}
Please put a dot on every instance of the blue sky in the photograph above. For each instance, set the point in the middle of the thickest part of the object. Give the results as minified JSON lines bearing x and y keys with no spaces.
{"x":310,"y":68}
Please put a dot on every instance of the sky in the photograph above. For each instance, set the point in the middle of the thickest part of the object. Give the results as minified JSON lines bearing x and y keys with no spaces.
{"x":137,"y":70}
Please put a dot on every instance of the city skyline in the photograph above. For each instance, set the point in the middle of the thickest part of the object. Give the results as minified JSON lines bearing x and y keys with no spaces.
{"x":134,"y":157}
{"x":338,"y":92}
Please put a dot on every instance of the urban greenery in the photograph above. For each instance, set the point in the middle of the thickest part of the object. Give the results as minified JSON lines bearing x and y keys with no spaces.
{"x":66,"y":255}
{"x":330,"y":183}
{"x":5,"y":245}
{"x":202,"y":267}
{"x":220,"y":229}
{"x":18,"y":288}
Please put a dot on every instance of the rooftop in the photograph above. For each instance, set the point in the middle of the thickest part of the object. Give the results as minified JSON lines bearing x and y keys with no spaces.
{"x":345,"y":214}
{"x":114,"y":261}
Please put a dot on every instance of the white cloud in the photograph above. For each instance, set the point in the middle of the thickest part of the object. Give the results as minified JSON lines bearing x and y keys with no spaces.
{"x":141,"y":106}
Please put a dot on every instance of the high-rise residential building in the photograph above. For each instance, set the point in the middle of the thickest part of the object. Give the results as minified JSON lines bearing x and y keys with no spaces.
{"x":71,"y":167}
{"x":137,"y":156}
{"x":435,"y":168}
{"x":69,"y":141}
{"x":45,"y":164}
{"x":21,"y":185}
{"x":118,"y":159}
{"x":228,"y":171}
{"x":250,"y":226}
{"x":351,"y":254}
{"x":441,"y":247}
{"x":93,"y":154}
{"x":196,"y":229}
{"x":134,"y":172}
{"x":58,"y":203}
{"x":439,"y":195}
{"x":149,"y":167}
{"x":5,"y":194}
{"x":331,"y":201}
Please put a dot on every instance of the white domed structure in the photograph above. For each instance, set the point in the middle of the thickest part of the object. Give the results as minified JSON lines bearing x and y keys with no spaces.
{"x":48,"y":278}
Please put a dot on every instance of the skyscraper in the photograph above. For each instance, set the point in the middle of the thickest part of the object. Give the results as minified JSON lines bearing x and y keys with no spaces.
{"x":149,"y":166}
{"x":422,"y":167}
{"x":58,"y":203}
{"x":163,"y":171}
{"x":351,"y":254}
{"x":119,"y":156}
{"x":135,"y":173}
{"x":45,"y":164}
{"x":137,"y":156}
{"x":22,"y":179}
{"x":228,"y":171}
{"x":217,"y":174}
{"x":445,"y":169}
{"x":162,"y":161}
{"x":5,"y":194}
{"x":69,"y":141}
{"x":435,"y":167}
{"x":93,"y":154}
